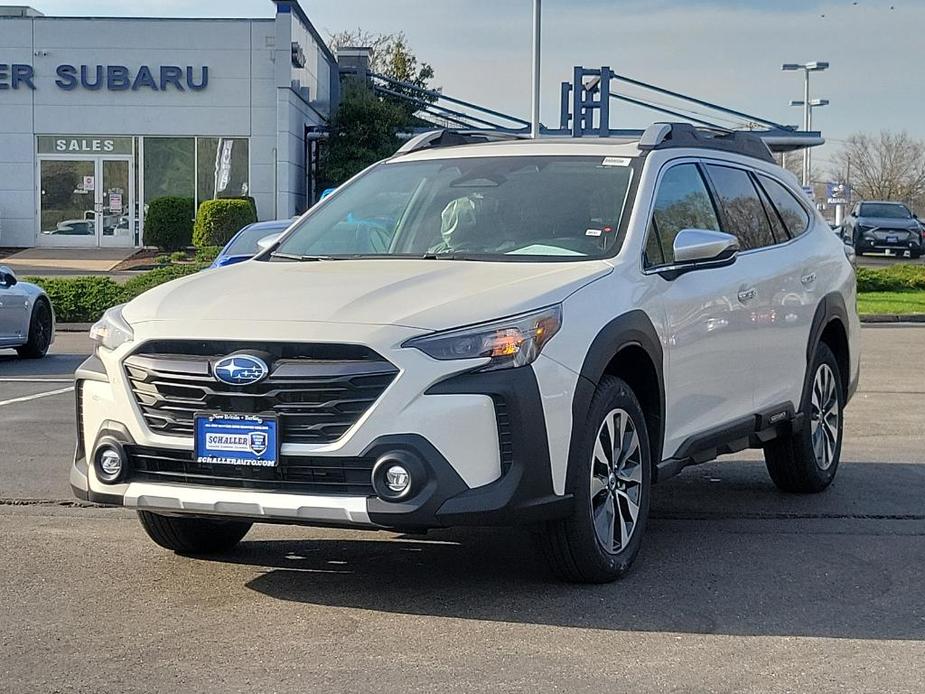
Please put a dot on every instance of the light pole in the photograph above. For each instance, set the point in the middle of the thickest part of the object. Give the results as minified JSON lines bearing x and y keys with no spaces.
{"x":815,"y":66}
{"x":537,"y":31}
{"x":807,"y":153}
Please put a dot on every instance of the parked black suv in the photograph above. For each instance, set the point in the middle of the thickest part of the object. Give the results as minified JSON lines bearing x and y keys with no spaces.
{"x":884,"y":226}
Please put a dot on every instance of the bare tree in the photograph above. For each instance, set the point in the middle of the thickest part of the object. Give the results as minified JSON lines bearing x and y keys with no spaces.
{"x":391,"y":55}
{"x":888,"y":166}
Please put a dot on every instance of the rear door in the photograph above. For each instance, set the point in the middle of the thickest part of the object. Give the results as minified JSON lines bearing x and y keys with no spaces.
{"x":803,"y":261}
{"x":710,"y":374}
{"x":767,"y":276}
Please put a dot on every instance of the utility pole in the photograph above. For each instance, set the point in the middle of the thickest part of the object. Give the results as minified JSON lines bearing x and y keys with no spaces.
{"x":537,"y":45}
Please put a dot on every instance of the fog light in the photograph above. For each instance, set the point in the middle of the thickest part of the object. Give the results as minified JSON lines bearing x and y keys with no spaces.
{"x":397,"y":479}
{"x":109,"y":462}
{"x":398,"y":475}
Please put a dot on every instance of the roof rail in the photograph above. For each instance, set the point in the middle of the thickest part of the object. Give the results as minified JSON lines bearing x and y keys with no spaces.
{"x":672,"y":135}
{"x":452,"y":138}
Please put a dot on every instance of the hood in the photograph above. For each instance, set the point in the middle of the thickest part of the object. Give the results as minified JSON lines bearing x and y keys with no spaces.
{"x":424,"y":294}
{"x":889,"y":223}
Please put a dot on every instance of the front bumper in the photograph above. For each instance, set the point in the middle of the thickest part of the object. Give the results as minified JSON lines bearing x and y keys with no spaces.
{"x":521,"y":491}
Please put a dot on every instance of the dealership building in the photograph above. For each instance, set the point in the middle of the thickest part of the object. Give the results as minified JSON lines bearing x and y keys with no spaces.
{"x":99,"y":116}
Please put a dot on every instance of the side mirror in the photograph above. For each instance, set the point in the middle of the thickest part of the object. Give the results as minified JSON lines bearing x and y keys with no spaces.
{"x":704,"y":246}
{"x":7,"y":277}
{"x":267,"y":242}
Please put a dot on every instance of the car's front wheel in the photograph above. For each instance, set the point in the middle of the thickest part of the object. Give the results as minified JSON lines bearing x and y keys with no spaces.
{"x":193,"y":535}
{"x":610,"y":479}
{"x":806,"y":461}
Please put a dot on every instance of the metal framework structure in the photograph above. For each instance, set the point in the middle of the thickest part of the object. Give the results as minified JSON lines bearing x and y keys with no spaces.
{"x":587,"y":104}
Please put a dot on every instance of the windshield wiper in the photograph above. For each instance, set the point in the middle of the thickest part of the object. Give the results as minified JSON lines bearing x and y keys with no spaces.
{"x":302,"y":258}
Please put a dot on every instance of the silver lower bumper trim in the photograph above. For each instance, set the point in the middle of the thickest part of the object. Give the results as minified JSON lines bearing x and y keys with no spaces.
{"x":253,"y":504}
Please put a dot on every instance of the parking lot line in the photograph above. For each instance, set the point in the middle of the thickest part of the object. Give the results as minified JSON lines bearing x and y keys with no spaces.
{"x":36,"y":380}
{"x":27,"y":398}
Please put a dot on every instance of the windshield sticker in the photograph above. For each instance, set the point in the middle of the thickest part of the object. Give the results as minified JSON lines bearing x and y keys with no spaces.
{"x":616,"y":161}
{"x":594,"y":232}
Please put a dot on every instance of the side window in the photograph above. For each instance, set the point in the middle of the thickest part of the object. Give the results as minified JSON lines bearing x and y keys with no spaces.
{"x":792,"y":213}
{"x":740,"y":206}
{"x":682,"y":202}
{"x":777,"y":226}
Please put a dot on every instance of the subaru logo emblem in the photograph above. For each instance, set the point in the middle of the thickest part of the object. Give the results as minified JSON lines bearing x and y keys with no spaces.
{"x":240,"y":370}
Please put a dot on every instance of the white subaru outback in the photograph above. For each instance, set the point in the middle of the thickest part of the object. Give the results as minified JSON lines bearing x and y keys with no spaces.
{"x":485,"y":333}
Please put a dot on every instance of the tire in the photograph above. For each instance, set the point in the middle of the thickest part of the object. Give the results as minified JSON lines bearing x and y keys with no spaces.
{"x":193,"y":535}
{"x":858,"y":251}
{"x":40,"y":327}
{"x":915,"y":255}
{"x":573,"y":546}
{"x":794,"y":462}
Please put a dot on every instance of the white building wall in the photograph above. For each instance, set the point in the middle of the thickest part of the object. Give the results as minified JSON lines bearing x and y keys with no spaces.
{"x":17,"y":143}
{"x":249,"y":94}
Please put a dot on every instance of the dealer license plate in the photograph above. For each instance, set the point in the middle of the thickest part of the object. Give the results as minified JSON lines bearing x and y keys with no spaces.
{"x":237,"y":439}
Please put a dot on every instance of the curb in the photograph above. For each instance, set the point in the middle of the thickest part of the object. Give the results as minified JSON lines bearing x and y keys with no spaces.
{"x":893,"y":318}
{"x":73,"y":327}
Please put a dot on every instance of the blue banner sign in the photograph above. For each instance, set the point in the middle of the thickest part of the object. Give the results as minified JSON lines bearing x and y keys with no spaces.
{"x":113,"y":78}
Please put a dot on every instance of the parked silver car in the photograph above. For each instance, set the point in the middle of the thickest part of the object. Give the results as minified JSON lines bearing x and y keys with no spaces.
{"x":27,"y":319}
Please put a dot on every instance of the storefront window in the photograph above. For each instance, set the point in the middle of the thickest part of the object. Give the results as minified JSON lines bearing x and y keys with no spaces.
{"x":169,"y":167}
{"x":222,"y":168}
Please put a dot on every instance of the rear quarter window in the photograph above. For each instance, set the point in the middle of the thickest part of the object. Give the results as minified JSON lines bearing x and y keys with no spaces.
{"x":793,"y":214}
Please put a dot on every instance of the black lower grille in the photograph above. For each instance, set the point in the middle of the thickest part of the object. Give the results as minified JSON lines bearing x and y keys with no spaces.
{"x":294,"y":474}
{"x":505,"y":442}
{"x":318,"y":391}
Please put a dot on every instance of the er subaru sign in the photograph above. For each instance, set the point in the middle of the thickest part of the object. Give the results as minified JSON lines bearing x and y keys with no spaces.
{"x":113,"y":78}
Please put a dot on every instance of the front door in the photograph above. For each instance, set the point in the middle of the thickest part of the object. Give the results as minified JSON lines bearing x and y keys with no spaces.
{"x":86,"y":202}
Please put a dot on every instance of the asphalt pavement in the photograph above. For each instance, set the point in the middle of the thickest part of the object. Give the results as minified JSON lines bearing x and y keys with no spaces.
{"x":738,"y":587}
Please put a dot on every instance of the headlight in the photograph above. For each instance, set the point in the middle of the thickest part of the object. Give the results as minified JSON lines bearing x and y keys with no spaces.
{"x":509,"y":342}
{"x":112,"y":331}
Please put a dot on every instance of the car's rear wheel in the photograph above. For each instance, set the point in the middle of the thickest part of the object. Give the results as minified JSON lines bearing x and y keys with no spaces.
{"x":610,"y":479}
{"x":807,"y":460}
{"x":193,"y":535}
{"x":40,"y":327}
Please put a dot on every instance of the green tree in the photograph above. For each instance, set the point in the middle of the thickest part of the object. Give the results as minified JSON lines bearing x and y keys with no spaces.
{"x":363,"y":130}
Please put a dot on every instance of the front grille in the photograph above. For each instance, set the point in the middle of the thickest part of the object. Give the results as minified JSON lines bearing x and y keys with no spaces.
{"x":294,"y":474}
{"x":898,"y":234}
{"x":318,"y":391}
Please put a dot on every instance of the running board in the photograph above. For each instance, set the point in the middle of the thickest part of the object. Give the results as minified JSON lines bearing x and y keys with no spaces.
{"x":753,"y":431}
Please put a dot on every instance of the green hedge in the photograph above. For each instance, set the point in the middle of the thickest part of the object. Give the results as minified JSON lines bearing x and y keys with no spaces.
{"x":80,"y":299}
{"x":84,"y":299}
{"x":218,"y":220}
{"x":902,"y":277}
{"x":169,"y":222}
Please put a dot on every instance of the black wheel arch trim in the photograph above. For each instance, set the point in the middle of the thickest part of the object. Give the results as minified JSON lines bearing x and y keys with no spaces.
{"x":632,"y":329}
{"x":831,"y":308}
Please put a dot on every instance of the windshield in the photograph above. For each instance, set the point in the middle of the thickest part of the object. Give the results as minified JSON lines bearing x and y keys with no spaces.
{"x":885,"y":210}
{"x":503,"y":208}
{"x":245,"y":243}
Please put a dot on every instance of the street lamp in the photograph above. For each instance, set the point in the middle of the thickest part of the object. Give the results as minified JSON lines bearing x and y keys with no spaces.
{"x":807,"y":103}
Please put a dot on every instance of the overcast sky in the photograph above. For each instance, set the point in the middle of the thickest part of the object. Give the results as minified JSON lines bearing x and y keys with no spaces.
{"x":719,"y":50}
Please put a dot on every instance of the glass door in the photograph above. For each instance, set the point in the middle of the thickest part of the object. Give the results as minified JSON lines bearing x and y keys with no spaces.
{"x":115,"y":204}
{"x":67,"y":208}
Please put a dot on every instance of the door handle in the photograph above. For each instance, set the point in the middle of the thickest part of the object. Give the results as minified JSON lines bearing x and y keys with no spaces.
{"x":747,"y":294}
{"x":808,"y":279}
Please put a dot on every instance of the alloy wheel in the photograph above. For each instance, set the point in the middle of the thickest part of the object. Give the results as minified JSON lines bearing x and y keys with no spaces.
{"x":825,"y":417}
{"x":616,"y":481}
